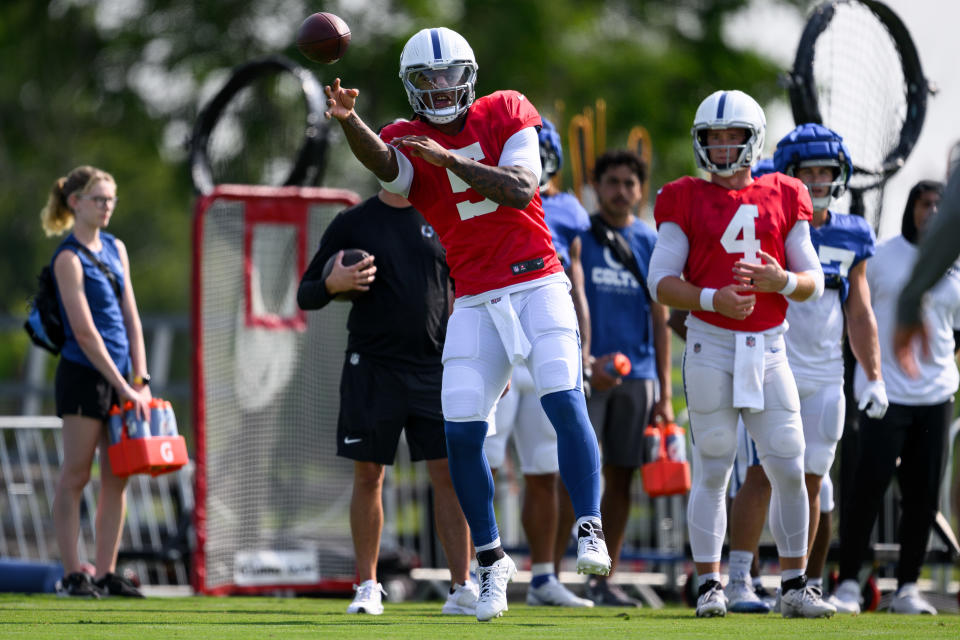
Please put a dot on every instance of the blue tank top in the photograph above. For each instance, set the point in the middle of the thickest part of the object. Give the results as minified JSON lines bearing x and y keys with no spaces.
{"x":842,"y":242}
{"x":619,"y":312}
{"x":104,"y":305}
{"x":565,"y":217}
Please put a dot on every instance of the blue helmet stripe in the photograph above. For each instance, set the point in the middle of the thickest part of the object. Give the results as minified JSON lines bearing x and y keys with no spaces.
{"x":435,"y":38}
{"x":720,"y":105}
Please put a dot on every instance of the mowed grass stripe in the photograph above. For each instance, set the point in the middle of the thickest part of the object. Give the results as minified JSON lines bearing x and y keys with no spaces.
{"x":197,"y":618}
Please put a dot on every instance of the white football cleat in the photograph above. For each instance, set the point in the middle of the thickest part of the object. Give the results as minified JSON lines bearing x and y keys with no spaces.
{"x":553,"y":594}
{"x":369,"y":598}
{"x":805,"y":602}
{"x":463,"y":600}
{"x":846,"y":597}
{"x":592,"y":556}
{"x":743,"y":599}
{"x":908,"y":600}
{"x":492,"y":601}
{"x":712,"y":602}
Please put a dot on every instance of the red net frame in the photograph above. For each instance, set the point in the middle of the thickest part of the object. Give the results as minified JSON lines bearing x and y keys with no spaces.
{"x":263,"y":205}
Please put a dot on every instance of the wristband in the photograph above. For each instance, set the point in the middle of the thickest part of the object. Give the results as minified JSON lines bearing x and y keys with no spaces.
{"x":791,"y":285}
{"x":144,"y":379}
{"x":706,"y":299}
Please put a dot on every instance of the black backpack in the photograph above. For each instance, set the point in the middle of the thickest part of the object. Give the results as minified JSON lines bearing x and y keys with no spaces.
{"x":44,"y":324}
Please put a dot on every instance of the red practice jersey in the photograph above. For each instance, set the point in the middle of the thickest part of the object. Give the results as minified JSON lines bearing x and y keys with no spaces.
{"x":489,"y":246}
{"x":725,"y":226}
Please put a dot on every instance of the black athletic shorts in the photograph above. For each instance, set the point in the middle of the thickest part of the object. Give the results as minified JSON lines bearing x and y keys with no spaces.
{"x":378,"y":401}
{"x":619,"y":416}
{"x":82,"y":390}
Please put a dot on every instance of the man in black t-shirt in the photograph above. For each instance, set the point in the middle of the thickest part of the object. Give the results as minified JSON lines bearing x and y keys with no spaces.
{"x":391,"y":375}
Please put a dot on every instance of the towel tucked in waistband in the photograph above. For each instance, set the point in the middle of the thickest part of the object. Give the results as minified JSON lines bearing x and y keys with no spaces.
{"x":507,"y":322}
{"x":748,"y":371}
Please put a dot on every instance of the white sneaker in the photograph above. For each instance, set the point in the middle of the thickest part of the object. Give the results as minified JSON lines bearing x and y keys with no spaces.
{"x":846,"y":597}
{"x":805,"y":603}
{"x":553,"y":594}
{"x":592,"y":556}
{"x":907,"y":599}
{"x":712,"y":602}
{"x":368,"y":598}
{"x":743,"y":599}
{"x":492,"y":601}
{"x":463,"y":600}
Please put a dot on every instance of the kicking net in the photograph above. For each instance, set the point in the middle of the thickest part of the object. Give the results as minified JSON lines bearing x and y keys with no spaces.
{"x":272,"y":499}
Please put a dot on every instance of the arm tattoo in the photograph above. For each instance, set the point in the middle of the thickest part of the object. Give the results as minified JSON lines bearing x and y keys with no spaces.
{"x":374,"y":153}
{"x":508,"y":186}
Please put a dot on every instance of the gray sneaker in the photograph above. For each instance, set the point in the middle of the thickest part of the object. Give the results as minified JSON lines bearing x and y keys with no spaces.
{"x":604,"y":593}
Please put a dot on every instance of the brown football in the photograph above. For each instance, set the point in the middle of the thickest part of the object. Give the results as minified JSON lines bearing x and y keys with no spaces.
{"x":323,"y":37}
{"x":350,"y":258}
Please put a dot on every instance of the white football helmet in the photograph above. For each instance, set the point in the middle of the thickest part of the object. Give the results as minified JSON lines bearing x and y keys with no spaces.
{"x":439,"y":71}
{"x":728,"y":110}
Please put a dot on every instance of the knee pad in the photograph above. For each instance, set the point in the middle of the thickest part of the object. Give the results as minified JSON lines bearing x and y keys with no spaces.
{"x":818,"y":458}
{"x":462,"y":394}
{"x":826,"y":494}
{"x":783,"y":441}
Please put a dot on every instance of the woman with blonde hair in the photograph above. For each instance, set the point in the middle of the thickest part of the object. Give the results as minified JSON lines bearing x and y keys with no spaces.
{"x":103,"y":350}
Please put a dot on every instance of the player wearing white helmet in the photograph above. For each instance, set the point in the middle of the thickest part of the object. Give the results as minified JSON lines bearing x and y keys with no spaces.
{"x":818,"y":157}
{"x":475,"y":181}
{"x":732,"y":250}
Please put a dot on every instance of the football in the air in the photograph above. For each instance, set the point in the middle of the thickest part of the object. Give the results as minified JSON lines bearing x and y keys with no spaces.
{"x":323,"y":37}
{"x":350,"y":258}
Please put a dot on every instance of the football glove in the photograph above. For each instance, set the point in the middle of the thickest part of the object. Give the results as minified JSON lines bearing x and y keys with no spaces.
{"x":873,"y":399}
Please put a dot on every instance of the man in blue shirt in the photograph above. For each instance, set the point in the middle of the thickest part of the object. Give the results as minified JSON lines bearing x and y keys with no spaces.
{"x":623,"y":320}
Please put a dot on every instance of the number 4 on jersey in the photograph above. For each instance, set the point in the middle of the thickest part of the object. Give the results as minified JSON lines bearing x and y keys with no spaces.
{"x":740,"y":235}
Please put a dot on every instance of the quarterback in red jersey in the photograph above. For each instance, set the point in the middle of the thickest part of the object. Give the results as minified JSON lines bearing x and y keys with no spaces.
{"x":731,"y":250}
{"x":472,"y":167}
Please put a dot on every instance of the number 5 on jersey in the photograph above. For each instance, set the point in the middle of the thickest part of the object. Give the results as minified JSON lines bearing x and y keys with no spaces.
{"x":468,"y":209}
{"x":740,"y":236}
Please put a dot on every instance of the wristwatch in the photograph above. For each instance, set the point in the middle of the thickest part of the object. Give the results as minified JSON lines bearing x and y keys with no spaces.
{"x":144,"y":379}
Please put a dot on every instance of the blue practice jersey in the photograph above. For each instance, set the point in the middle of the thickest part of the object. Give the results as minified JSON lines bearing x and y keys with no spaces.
{"x":814,"y":339}
{"x":841,"y":243}
{"x":565,"y":218}
{"x":619,"y":312}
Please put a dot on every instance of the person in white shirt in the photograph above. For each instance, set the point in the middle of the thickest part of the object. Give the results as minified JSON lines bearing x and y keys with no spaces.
{"x":914,"y":429}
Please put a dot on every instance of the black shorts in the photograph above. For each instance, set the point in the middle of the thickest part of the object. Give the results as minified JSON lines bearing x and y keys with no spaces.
{"x":82,"y":390}
{"x":619,"y":416}
{"x":378,"y":401}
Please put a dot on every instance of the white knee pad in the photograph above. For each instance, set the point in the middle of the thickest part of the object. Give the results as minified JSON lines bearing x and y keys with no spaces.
{"x":535,"y":438}
{"x":826,"y":494}
{"x":462,"y":395}
{"x":822,"y":411}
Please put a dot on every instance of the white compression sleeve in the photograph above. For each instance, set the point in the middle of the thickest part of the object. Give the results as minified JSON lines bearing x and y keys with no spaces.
{"x":669,"y":256}
{"x":801,"y":256}
{"x":401,"y":184}
{"x":522,"y":149}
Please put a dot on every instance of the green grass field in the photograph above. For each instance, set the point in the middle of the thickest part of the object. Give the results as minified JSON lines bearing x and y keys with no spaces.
{"x":198,"y":618}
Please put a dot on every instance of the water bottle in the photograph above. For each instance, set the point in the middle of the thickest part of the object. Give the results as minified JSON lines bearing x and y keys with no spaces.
{"x":115,"y":424}
{"x":651,"y":442}
{"x":676,"y":443}
{"x":156,"y":417}
{"x":136,"y":427}
{"x":618,"y":366}
{"x":171,"y":419}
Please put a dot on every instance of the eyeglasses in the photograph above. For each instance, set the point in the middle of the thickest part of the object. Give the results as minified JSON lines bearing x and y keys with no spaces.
{"x":101,"y":201}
